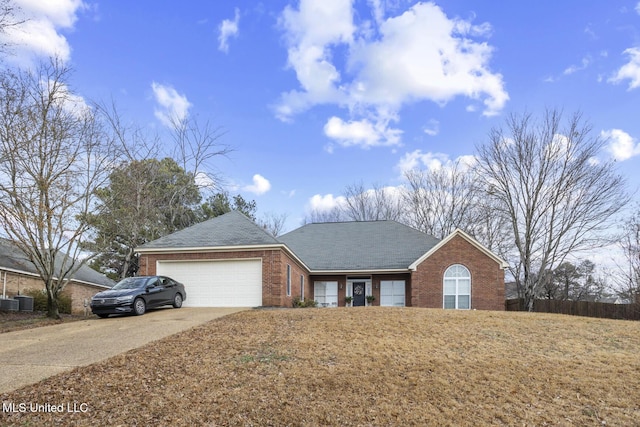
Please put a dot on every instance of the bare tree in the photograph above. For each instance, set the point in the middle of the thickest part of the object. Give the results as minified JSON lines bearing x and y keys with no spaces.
{"x":53,"y":158}
{"x":545,"y":180}
{"x":195,"y":145}
{"x":273,"y":223}
{"x":8,"y":19}
{"x":335,"y":214}
{"x":440,"y":200}
{"x":628,"y":276}
{"x":375,"y":204}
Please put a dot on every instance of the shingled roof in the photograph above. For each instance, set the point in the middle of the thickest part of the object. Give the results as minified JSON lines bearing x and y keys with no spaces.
{"x":355,"y":246}
{"x":230,"y":229}
{"x":334,"y":246}
{"x":13,"y":259}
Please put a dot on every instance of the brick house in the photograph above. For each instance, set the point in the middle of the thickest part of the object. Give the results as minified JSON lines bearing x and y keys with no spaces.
{"x":231,"y":261}
{"x":18,"y":274}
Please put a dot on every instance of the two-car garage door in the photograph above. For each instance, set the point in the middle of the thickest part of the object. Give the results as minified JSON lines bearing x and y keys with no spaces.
{"x":224,"y":283}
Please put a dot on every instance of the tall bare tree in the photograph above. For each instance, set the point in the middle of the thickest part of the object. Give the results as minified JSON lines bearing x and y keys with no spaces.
{"x":440,"y":200}
{"x":9,"y":12}
{"x":53,"y":157}
{"x":545,"y":180}
{"x":273,"y":223}
{"x":195,"y":146}
{"x":628,"y":277}
{"x":371,"y":204}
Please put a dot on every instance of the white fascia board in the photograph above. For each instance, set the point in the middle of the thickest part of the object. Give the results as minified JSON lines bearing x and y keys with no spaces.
{"x":26,"y":273}
{"x":357,"y":272}
{"x":36,"y":275}
{"x":243,"y":248}
{"x":458,"y":232}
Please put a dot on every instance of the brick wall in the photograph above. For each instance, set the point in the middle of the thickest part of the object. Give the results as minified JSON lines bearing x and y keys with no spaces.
{"x":487,"y":278}
{"x":78,"y":293}
{"x":18,"y":283}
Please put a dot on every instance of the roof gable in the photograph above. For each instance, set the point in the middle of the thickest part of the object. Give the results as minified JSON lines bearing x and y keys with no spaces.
{"x":363,"y":245}
{"x":457,"y":232}
{"x":230,"y":229}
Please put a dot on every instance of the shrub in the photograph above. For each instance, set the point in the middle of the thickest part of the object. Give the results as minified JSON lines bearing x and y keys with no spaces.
{"x":299,"y":303}
{"x":40,"y":300}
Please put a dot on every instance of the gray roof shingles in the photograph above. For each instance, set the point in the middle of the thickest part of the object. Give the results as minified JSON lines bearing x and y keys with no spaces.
{"x":355,"y":246}
{"x":338,"y":246}
{"x":230,"y":229}
{"x":12,"y":258}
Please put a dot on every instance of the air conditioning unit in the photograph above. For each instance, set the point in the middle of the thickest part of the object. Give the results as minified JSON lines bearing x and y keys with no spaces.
{"x":25,"y":302}
{"x":9,"y":304}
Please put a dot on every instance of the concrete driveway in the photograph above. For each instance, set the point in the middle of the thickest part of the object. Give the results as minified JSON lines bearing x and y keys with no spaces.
{"x":31,"y":355}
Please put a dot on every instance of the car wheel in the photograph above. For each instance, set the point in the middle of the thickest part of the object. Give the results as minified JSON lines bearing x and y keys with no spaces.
{"x":139,"y":307}
{"x":102,"y":316}
{"x":177,"y":301}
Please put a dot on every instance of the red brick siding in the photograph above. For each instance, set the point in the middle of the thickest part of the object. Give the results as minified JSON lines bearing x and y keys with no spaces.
{"x":487,"y":278}
{"x":274,"y":271}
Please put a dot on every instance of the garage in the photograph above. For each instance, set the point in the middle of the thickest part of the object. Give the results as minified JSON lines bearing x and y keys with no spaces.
{"x":219,"y":283}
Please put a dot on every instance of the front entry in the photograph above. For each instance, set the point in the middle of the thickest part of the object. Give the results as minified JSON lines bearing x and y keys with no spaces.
{"x":358,"y":293}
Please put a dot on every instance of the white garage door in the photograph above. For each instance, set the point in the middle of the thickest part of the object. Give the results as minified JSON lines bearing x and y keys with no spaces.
{"x":228,"y":283}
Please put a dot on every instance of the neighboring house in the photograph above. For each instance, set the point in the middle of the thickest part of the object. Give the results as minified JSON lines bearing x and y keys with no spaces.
{"x":18,"y":274}
{"x":231,"y":261}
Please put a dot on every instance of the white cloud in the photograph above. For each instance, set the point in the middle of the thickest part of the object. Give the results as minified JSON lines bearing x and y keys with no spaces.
{"x":586,"y":61}
{"x":433,"y":128}
{"x":432,"y":161}
{"x":324,"y":203}
{"x":621,"y":145}
{"x":260,"y":185}
{"x":361,"y":133}
{"x":419,"y":55}
{"x":171,"y":104}
{"x":629,"y":71}
{"x":39,"y":36}
{"x":638,"y":8}
{"x":228,"y":29}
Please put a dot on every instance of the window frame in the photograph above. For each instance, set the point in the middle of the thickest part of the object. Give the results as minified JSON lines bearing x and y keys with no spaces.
{"x":459,"y":280}
{"x":302,"y":287}
{"x":288,"y":280}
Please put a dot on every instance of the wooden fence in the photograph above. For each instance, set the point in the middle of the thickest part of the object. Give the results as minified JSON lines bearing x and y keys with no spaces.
{"x":579,"y":308}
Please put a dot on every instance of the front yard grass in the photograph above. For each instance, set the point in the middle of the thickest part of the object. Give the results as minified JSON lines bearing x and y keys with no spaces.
{"x":17,"y":320}
{"x":359,"y":366}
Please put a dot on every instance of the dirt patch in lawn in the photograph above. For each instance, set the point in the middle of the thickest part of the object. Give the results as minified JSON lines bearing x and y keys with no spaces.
{"x":357,"y":366}
{"x":17,"y":320}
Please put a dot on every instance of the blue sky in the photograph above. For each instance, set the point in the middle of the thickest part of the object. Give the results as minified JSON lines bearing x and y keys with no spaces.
{"x":317,"y":95}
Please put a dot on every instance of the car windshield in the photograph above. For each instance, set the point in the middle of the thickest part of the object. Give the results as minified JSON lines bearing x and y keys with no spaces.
{"x":131,"y":283}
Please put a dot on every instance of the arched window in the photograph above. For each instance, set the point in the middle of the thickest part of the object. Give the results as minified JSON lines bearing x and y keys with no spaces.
{"x":457,"y":288}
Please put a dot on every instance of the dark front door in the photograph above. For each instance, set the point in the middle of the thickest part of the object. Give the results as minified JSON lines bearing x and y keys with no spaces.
{"x":358,"y":294}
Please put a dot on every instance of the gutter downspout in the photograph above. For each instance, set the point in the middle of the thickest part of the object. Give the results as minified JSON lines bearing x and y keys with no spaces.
{"x":4,"y":285}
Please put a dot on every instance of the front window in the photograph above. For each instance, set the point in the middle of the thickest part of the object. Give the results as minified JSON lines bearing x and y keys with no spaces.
{"x":288,"y":280}
{"x":326,"y":293}
{"x":457,"y":288}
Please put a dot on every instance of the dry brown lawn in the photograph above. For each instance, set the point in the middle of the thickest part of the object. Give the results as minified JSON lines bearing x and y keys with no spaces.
{"x":359,"y":366}
{"x":17,"y":320}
